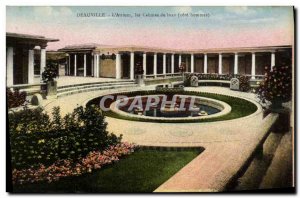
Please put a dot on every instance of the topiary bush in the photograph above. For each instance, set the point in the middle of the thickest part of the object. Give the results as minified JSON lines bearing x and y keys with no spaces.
{"x":15,"y":98}
{"x":36,"y":139}
{"x":51,"y":71}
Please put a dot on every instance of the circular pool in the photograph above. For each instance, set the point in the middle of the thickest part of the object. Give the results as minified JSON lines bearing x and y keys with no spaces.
{"x":204,"y":107}
{"x":183,"y":107}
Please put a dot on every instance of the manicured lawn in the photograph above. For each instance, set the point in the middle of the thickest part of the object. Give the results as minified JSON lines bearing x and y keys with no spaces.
{"x":143,"y":171}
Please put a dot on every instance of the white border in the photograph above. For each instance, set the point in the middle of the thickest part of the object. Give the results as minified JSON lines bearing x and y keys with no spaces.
{"x":3,"y":4}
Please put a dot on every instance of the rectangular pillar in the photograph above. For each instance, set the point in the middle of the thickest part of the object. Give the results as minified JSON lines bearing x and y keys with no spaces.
{"x":236,"y":63}
{"x":272,"y":60}
{"x":179,"y":60}
{"x":220,"y":64}
{"x":43,"y":62}
{"x":75,"y":65}
{"x":94,"y":65}
{"x":172,"y":64}
{"x":97,"y":66}
{"x":30,"y":66}
{"x":69,"y":66}
{"x":205,"y":63}
{"x":192,"y":63}
{"x":155,"y":65}
{"x":253,"y":66}
{"x":132,"y":66}
{"x":84,"y":65}
{"x":144,"y":64}
{"x":10,"y":66}
{"x":118,"y":66}
{"x":164,"y":64}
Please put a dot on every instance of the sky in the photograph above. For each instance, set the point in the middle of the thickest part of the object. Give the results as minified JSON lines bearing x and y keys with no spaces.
{"x":183,"y":28}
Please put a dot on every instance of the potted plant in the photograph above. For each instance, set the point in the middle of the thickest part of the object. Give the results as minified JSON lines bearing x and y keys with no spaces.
{"x":276,"y":87}
{"x":49,"y":76}
{"x":139,"y":71}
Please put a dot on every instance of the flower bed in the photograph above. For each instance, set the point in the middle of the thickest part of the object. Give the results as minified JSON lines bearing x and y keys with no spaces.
{"x":64,"y":168}
{"x":243,"y":80}
{"x":212,"y":76}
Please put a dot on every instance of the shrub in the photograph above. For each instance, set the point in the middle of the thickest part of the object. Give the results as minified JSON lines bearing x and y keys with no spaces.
{"x":212,"y":76}
{"x":187,"y":80}
{"x":244,"y":83}
{"x":35,"y":138}
{"x":15,"y":98}
{"x":277,"y":85}
{"x":50,"y":72}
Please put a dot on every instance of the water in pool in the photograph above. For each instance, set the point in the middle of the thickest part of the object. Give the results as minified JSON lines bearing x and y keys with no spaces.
{"x":157,"y":112}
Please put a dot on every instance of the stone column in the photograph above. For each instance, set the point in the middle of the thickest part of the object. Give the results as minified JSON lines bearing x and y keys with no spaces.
{"x":179,"y":60}
{"x":205,"y":63}
{"x":75,"y":64}
{"x":30,"y":66}
{"x":220,"y":64}
{"x":236,"y":63}
{"x":118,"y":66}
{"x":164,"y":64}
{"x":94,"y":65}
{"x":69,"y":65}
{"x":10,"y":66}
{"x":155,"y":65}
{"x":84,"y":65}
{"x":253,"y":66}
{"x":97,"y":66}
{"x":192,"y":63}
{"x":43,"y":61}
{"x":144,"y":64}
{"x":172,"y":64}
{"x":272,"y":60}
{"x":132,"y":66}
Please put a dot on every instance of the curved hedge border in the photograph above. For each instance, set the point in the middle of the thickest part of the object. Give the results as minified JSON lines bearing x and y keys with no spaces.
{"x":239,"y":107}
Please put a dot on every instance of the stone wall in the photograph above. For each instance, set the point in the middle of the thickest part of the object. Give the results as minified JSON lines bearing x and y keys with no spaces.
{"x":228,"y":65}
{"x":212,"y":64}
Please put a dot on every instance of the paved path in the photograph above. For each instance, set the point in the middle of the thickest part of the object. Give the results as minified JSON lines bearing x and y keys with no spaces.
{"x":228,"y":144}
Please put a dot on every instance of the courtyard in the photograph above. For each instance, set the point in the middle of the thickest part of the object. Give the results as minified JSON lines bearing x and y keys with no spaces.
{"x":230,"y":143}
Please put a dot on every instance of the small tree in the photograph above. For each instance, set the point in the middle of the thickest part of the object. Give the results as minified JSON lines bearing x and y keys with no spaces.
{"x":50,"y":72}
{"x":277,"y":86}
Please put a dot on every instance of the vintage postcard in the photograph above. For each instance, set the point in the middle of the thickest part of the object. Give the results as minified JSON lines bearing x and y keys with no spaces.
{"x":137,"y":99}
